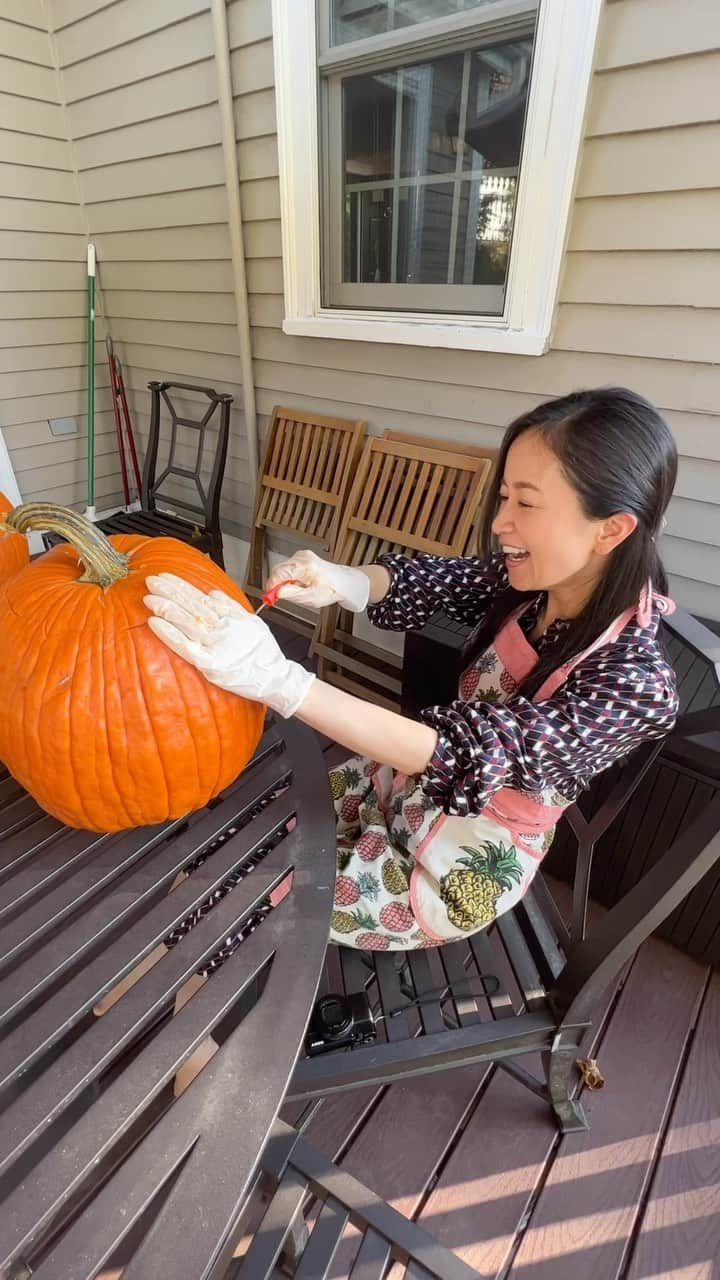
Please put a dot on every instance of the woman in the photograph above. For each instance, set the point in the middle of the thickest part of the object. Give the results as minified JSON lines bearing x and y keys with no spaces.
{"x":442,"y":824}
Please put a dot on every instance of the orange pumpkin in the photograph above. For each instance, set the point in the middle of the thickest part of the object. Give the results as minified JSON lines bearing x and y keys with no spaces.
{"x":14,"y":550}
{"x":100,"y":722}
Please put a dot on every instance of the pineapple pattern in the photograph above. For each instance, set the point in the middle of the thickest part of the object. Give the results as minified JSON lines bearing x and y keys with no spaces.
{"x":349,"y":921}
{"x":397,"y":917}
{"x":469,"y":681}
{"x":408,"y":874}
{"x":342,"y":781}
{"x":471,"y":891}
{"x":394,"y":878}
{"x":347,"y":891}
{"x":350,"y":810}
{"x":507,"y":682}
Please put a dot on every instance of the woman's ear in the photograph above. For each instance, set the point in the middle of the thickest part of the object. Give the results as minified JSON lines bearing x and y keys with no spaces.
{"x":613,"y":531}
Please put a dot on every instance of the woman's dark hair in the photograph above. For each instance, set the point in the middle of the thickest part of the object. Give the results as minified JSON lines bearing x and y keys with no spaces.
{"x":618,"y":454}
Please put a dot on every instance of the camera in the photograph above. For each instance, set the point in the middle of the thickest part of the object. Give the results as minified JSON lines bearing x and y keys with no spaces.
{"x":339,"y":1022}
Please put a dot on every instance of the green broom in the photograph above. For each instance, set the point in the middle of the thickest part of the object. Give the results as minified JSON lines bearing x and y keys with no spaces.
{"x":90,"y":510}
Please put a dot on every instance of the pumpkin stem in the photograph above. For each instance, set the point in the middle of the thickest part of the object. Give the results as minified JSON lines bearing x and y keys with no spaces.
{"x":103,"y":564}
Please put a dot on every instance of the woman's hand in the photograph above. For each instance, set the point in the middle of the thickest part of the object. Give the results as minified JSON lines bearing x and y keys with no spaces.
{"x":318,"y":583}
{"x":237,"y":651}
{"x":231,"y":647}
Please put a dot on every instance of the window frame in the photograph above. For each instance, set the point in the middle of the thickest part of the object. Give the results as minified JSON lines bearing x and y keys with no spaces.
{"x":565,"y":41}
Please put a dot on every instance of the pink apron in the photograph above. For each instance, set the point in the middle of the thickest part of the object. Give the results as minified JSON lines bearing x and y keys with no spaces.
{"x":411,"y":875}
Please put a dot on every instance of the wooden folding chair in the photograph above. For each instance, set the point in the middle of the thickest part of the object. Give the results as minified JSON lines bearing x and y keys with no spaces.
{"x":451,"y":446}
{"x":408,"y":497}
{"x":454,"y":446}
{"x":304,"y":480}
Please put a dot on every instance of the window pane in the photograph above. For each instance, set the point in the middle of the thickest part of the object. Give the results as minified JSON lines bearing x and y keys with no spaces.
{"x":369,"y":106}
{"x":357,"y":19}
{"x":484,"y":225}
{"x":424,"y":220}
{"x":431,"y":162}
{"x":428,"y":106}
{"x":491,"y":132}
{"x":367,"y":245}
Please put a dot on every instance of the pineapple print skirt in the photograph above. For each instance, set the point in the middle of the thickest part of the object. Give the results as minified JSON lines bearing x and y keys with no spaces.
{"x":372,"y":908}
{"x":408,"y":875}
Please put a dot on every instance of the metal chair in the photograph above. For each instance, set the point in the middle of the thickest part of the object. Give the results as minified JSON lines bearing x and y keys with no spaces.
{"x":292,"y":1174}
{"x":199,"y":496}
{"x":439,"y":1008}
{"x":677,"y":785}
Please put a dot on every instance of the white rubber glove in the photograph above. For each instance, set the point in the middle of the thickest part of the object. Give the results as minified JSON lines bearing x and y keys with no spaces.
{"x":233,"y":648}
{"x":318,"y":583}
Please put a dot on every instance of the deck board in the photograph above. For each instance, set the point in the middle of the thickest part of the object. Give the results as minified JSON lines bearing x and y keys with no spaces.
{"x":495,"y":1173}
{"x":407,"y":1135}
{"x":680,"y":1229}
{"x":588,"y":1207}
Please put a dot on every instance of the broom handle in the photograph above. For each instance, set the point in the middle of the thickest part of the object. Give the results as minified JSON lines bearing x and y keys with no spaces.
{"x":91,"y":380}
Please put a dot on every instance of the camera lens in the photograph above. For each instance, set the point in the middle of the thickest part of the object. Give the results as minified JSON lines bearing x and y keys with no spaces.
{"x":334,"y":1014}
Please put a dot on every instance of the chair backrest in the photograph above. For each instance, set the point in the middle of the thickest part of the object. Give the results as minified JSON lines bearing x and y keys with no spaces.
{"x":694,"y":654}
{"x":406,"y":498}
{"x":689,"y":759}
{"x":450,"y":446}
{"x":587,"y":830}
{"x":305,"y":474}
{"x":413,"y":498}
{"x":573,"y":964}
{"x":456,"y":446}
{"x":184,"y":485}
{"x":596,"y":959}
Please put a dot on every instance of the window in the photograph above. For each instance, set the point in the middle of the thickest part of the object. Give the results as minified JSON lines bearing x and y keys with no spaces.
{"x":421,"y":169}
{"x":427,"y":160}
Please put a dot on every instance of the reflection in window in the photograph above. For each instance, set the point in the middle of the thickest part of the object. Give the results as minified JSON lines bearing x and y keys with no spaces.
{"x":358,"y":19}
{"x":431,"y":157}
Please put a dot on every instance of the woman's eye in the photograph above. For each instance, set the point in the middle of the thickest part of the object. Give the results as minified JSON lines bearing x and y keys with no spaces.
{"x":504,"y":497}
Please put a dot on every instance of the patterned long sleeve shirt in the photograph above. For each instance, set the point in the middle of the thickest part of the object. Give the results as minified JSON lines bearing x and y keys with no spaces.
{"x":614,"y":699}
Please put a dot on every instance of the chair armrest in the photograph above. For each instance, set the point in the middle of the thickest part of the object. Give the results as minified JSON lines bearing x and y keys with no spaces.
{"x":696,"y":635}
{"x":631,"y":775}
{"x":704,"y":720}
{"x":594,"y":962}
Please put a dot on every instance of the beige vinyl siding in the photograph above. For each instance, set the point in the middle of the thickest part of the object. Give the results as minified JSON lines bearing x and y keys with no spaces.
{"x":42,"y":275}
{"x":639,"y":297}
{"x":141,"y":90}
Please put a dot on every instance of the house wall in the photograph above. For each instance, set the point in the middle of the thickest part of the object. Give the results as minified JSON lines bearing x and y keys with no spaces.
{"x":640,"y":289}
{"x":150,"y":168}
{"x":42,"y":272}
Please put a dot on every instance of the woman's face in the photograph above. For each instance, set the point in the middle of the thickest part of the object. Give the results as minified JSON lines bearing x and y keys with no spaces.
{"x":548,"y":540}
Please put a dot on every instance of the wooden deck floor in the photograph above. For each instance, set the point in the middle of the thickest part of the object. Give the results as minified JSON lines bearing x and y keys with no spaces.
{"x":476,"y":1158}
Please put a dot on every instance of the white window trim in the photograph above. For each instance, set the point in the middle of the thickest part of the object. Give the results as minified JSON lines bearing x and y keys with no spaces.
{"x":563,"y":62}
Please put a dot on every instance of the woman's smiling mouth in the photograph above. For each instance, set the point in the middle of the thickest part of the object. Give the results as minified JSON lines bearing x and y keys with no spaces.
{"x":514,"y":555}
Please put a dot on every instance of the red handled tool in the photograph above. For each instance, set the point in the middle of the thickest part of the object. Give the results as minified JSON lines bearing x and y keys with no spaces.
{"x":123,"y":423}
{"x":271,"y":597}
{"x":118,"y":424}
